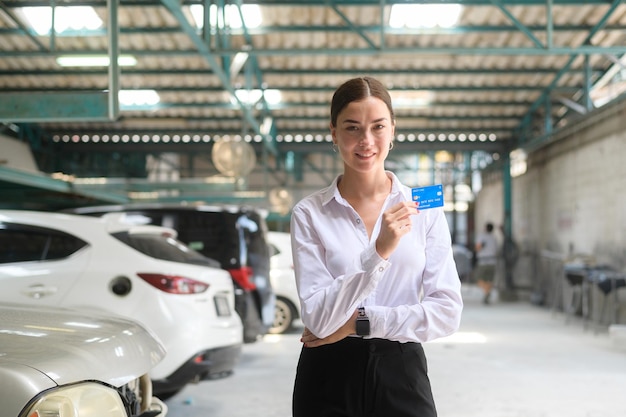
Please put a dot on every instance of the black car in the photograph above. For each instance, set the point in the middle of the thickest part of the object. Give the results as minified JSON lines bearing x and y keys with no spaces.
{"x":234,"y":236}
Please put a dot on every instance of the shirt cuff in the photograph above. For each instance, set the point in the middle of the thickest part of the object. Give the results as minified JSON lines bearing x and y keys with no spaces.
{"x":372,"y":262}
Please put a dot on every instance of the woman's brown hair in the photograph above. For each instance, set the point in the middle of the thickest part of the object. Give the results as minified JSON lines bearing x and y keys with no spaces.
{"x":358,"y":89}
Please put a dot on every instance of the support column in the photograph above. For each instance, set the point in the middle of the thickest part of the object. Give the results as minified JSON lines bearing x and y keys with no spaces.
{"x":509,"y":248}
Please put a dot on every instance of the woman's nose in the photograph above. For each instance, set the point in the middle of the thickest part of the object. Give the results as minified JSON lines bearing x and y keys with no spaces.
{"x":366,"y":138}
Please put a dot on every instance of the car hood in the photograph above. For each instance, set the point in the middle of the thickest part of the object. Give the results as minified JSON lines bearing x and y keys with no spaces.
{"x":70,"y":345}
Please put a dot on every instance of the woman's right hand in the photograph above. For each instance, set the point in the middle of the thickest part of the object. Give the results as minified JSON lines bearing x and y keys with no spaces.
{"x":348,"y":328}
{"x":396,"y":222}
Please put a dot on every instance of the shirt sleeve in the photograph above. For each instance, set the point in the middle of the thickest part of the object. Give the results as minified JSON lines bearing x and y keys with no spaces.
{"x":439,"y":312}
{"x":327,"y":301}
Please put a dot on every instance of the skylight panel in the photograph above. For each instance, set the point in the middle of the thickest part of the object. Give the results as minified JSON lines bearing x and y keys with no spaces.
{"x":139,"y":97}
{"x":251,"y":97}
{"x":416,"y":16}
{"x":251,"y":15}
{"x":39,"y":18}
{"x":94,"y":61}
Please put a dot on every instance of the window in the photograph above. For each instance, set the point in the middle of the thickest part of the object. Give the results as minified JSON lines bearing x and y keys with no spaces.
{"x":23,"y":243}
{"x":165,"y":248}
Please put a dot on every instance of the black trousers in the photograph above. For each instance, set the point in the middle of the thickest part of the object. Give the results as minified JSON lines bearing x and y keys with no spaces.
{"x":363,"y":378}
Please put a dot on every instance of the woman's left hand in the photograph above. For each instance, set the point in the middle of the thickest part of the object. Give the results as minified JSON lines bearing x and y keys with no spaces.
{"x":349,"y":327}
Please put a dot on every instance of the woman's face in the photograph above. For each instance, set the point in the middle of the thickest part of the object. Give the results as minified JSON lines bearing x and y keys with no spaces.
{"x":363,"y":134}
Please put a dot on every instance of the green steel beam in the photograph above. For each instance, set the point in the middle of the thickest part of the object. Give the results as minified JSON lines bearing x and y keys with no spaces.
{"x":23,"y":28}
{"x":43,"y":106}
{"x":164,"y":105}
{"x":47,"y":106}
{"x":517,"y":23}
{"x":388,"y":30}
{"x":175,"y":9}
{"x":405,"y":50}
{"x":33,"y":180}
{"x":253,"y":65}
{"x":526,"y":120}
{"x":156,"y":3}
{"x":507,"y":203}
{"x":351,"y":25}
{"x":87,"y":72}
{"x":451,"y":88}
{"x":114,"y":67}
{"x":45,"y":182}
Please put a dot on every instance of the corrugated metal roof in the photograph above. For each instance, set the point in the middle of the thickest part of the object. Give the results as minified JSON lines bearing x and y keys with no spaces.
{"x":498,"y":72}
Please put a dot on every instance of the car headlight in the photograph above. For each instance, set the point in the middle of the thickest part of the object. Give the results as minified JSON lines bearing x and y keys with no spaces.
{"x":82,"y":400}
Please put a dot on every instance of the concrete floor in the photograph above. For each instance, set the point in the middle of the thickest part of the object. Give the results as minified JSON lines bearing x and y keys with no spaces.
{"x":508,"y":360}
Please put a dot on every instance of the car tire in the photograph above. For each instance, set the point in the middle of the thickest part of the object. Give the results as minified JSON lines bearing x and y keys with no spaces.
{"x":167,"y":394}
{"x":284,"y":314}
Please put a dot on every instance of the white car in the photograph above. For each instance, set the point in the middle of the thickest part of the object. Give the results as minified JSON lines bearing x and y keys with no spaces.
{"x":463,"y":258}
{"x":283,"y":281}
{"x":58,"y":362}
{"x":139,"y":272}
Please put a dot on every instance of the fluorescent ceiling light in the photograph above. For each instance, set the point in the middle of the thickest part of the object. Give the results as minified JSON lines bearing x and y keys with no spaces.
{"x":266,"y":126}
{"x":94,"y":60}
{"x":518,"y":162}
{"x":424,"y":15}
{"x":611,"y":85}
{"x":251,"y":97}
{"x":251,"y":15}
{"x":65,"y":17}
{"x":411,"y":99}
{"x":237,"y":64}
{"x":138,"y":97}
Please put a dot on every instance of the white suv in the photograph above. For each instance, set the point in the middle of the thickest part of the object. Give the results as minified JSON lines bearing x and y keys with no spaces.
{"x":140,"y":272}
{"x":283,"y":281}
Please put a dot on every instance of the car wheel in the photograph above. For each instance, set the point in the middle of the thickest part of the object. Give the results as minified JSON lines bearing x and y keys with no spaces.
{"x":283,"y":316}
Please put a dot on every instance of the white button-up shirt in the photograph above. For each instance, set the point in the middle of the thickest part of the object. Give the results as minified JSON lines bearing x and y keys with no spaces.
{"x":415,"y":296}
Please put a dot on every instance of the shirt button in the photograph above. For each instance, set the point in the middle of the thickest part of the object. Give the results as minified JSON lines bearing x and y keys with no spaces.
{"x":358,"y":221}
{"x":381,"y":269}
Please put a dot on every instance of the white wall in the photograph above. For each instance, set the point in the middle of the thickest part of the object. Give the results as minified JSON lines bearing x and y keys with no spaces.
{"x":572,"y":199}
{"x":16,"y":155}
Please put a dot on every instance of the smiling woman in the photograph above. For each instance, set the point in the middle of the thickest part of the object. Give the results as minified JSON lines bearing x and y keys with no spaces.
{"x":375,"y":275}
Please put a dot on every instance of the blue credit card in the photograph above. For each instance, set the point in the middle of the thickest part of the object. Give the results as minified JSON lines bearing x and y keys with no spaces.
{"x":428,"y":197}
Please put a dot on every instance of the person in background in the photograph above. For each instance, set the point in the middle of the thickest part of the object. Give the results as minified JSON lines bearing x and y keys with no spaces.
{"x":486,"y":258}
{"x":375,"y":275}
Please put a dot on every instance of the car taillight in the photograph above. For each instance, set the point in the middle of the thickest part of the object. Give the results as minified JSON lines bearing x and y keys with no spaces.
{"x":243,"y":277}
{"x":174,"y":284}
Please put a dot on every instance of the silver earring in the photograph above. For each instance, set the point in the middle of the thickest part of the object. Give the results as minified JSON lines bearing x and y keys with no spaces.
{"x":335,"y":148}
{"x":390,"y":145}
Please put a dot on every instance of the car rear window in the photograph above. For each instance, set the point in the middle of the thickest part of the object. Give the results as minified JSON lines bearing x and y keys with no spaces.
{"x":164,"y":248}
{"x":233,"y":239}
{"x":23,"y":243}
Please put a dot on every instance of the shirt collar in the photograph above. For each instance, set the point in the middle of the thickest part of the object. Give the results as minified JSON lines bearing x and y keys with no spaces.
{"x":332,"y":192}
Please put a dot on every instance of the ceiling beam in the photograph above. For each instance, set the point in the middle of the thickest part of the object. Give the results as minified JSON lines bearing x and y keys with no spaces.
{"x":402,"y":51}
{"x":174,"y":7}
{"x":265,"y":30}
{"x":153,"y":3}
{"x":59,"y":106}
